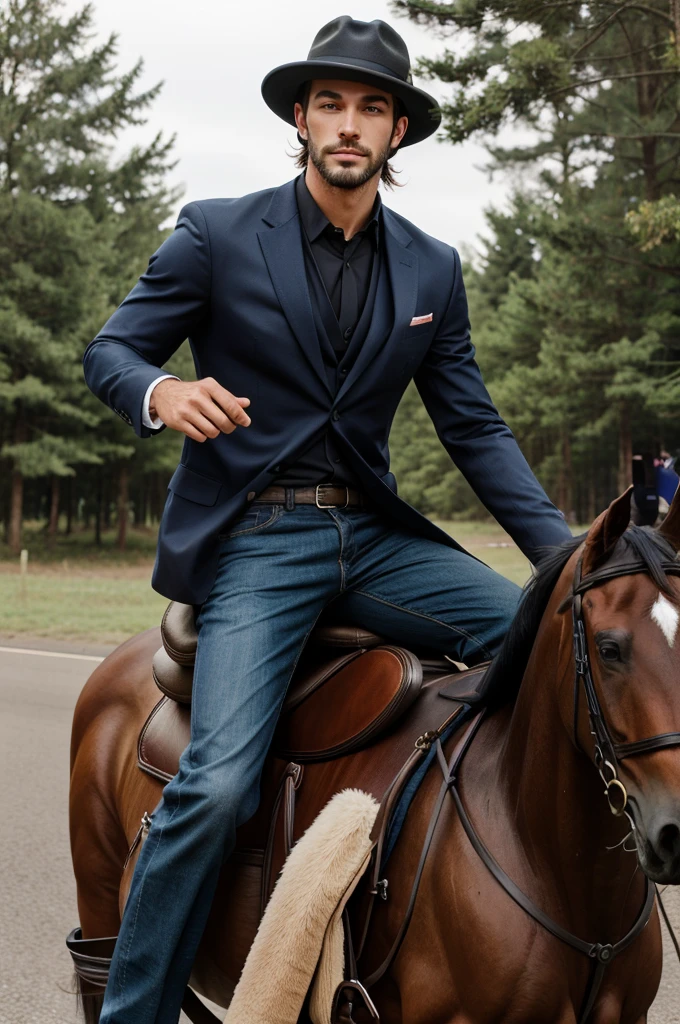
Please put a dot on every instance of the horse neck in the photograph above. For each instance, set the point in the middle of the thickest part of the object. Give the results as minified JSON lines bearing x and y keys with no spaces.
{"x":554,"y":796}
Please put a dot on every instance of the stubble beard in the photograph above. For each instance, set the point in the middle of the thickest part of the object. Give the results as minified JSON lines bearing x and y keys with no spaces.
{"x":347,"y":177}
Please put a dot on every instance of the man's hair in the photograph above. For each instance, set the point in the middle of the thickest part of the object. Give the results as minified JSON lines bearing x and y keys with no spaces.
{"x":387,"y":175}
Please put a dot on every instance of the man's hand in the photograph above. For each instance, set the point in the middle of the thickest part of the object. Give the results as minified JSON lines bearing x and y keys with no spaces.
{"x":200,"y":409}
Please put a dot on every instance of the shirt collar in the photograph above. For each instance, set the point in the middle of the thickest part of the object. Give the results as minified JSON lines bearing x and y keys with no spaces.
{"x":315,"y":221}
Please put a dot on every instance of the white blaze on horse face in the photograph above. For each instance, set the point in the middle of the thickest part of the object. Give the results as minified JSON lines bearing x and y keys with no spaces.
{"x":666,"y":617}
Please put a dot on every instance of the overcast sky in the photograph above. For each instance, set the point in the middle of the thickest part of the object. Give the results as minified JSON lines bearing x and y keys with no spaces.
{"x":212,"y":56}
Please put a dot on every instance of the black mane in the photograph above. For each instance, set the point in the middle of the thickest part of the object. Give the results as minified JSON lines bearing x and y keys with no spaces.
{"x":509,"y":665}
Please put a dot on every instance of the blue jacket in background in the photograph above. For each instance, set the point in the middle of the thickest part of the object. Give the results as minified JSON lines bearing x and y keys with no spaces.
{"x":231,"y":278}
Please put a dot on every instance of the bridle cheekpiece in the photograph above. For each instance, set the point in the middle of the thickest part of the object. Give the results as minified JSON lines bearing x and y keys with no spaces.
{"x":607,"y":752}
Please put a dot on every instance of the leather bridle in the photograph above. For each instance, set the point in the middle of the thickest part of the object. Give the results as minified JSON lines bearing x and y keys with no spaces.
{"x":607,"y":752}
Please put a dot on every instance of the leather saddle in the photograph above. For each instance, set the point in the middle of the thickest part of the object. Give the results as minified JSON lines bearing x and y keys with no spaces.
{"x":350,"y":687}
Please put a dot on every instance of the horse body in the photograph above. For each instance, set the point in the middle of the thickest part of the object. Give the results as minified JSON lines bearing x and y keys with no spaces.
{"x":471,"y":955}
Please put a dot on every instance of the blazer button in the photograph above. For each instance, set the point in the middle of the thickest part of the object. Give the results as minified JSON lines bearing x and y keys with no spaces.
{"x":277,"y":469}
{"x":250,"y":495}
{"x":336,"y":414}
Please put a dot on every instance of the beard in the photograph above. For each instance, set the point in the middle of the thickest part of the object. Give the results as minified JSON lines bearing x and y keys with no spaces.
{"x":347,"y":177}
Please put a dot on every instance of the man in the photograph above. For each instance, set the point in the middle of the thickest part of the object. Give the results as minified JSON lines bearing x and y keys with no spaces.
{"x":309,"y":308}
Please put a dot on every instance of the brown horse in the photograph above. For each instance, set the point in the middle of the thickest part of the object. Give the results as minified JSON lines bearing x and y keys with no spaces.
{"x":529,"y":783}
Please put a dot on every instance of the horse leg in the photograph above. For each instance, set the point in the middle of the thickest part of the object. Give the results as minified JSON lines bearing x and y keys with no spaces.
{"x":98,"y":848}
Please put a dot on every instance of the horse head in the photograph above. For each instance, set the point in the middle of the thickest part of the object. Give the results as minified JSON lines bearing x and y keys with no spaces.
{"x":624,"y":711}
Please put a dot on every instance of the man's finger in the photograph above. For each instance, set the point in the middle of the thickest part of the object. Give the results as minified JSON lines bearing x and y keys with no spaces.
{"x":203,"y":424}
{"x":227,"y":402}
{"x":211,"y":411}
{"x":190,"y":430}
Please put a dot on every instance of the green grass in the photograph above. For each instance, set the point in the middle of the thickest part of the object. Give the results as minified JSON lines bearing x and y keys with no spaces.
{"x":81,"y":592}
{"x":78,"y":605}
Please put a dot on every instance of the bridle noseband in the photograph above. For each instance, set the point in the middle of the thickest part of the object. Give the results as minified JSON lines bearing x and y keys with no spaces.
{"x":607,"y":752}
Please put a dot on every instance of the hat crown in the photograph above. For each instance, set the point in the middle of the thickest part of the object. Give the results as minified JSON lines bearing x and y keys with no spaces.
{"x":372,"y":41}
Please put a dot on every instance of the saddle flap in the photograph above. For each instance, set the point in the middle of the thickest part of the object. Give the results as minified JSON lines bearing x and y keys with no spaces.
{"x":164,"y":736}
{"x":355,"y":705}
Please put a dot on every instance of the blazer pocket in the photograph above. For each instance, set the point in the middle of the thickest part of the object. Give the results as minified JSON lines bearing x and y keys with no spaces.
{"x":193,"y":486}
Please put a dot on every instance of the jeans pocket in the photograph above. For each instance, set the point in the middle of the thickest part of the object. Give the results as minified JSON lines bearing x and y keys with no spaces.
{"x":256,"y":517}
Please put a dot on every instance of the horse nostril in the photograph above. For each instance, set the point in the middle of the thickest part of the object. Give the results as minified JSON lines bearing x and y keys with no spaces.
{"x":669,"y":839}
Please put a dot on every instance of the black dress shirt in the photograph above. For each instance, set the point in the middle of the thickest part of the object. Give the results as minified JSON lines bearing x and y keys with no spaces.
{"x":340,"y":274}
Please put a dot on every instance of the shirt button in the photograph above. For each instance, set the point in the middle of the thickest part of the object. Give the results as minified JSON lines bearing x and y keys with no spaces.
{"x":347,"y":333}
{"x":343,"y":371}
{"x":277,"y":469}
{"x":336,"y":414}
{"x":337,"y":460}
{"x":347,"y":264}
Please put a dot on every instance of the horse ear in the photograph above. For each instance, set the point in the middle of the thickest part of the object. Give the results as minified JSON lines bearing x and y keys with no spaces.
{"x":605,"y":532}
{"x":670,"y":527}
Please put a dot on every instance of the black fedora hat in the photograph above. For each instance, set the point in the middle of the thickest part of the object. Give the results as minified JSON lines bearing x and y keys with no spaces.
{"x":356,"y":51}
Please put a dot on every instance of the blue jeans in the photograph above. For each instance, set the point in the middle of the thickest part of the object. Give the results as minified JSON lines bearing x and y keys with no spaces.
{"x":278,"y":570}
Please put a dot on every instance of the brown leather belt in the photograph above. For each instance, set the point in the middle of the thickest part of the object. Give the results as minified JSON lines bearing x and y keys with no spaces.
{"x":323,"y":496}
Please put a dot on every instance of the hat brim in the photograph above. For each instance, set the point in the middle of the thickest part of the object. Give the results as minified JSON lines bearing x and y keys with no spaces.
{"x":281,"y":86}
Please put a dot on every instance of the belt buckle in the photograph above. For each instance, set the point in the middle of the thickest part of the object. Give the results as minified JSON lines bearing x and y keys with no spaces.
{"x":318,"y":503}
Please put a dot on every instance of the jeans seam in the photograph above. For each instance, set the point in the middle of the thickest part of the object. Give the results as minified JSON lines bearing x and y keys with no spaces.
{"x":133,"y":926}
{"x":276,"y":514}
{"x":342,"y":570}
{"x":431,"y":618}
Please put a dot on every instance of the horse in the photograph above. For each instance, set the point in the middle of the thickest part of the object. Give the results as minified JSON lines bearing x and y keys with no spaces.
{"x":528,"y":896}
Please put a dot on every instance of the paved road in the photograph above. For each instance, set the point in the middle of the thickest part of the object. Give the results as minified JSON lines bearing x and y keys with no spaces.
{"x":37,"y":906}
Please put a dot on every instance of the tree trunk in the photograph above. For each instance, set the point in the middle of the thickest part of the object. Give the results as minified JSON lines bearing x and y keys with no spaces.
{"x":625,"y":449}
{"x":53,"y":521}
{"x":69,"y":506}
{"x":98,"y":511}
{"x":15,"y":512}
{"x":123,"y":503}
{"x":565,"y":486}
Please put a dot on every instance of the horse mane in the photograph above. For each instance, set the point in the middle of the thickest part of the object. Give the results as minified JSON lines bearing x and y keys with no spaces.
{"x":507,"y":669}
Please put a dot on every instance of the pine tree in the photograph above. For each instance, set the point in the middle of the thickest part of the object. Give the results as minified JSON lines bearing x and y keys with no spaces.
{"x":74,"y":225}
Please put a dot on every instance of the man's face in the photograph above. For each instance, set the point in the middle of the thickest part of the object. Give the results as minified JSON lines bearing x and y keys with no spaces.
{"x":350,"y":130}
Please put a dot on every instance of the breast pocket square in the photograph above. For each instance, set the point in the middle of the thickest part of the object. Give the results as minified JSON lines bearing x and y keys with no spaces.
{"x":425,"y":319}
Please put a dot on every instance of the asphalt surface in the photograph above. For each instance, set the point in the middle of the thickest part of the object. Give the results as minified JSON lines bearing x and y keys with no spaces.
{"x":37,"y":906}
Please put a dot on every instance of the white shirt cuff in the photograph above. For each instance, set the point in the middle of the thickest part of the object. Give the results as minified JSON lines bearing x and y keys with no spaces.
{"x":146,"y":418}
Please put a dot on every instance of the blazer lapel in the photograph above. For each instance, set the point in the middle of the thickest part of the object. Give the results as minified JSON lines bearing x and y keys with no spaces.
{"x":392,"y":314}
{"x":281,"y":246}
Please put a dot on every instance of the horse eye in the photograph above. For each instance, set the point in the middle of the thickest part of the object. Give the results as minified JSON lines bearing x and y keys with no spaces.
{"x":609,"y":651}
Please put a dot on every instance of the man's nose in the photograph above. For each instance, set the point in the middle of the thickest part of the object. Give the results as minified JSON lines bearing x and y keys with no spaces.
{"x":350,"y":127}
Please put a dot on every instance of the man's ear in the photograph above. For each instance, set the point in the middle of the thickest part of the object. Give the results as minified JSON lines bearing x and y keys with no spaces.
{"x":605,"y":532}
{"x":670,"y":527}
{"x":401,"y":125}
{"x":300,"y":120}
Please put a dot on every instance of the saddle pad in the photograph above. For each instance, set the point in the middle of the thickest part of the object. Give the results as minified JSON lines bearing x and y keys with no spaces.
{"x":353,"y":707}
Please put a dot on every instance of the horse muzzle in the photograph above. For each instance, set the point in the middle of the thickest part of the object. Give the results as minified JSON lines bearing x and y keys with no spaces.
{"x":658,"y":843}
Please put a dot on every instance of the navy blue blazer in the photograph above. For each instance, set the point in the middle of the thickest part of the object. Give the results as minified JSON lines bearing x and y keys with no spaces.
{"x":231,"y":278}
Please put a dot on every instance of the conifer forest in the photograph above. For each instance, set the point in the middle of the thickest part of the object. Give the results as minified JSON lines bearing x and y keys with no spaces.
{"x":573,"y":290}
